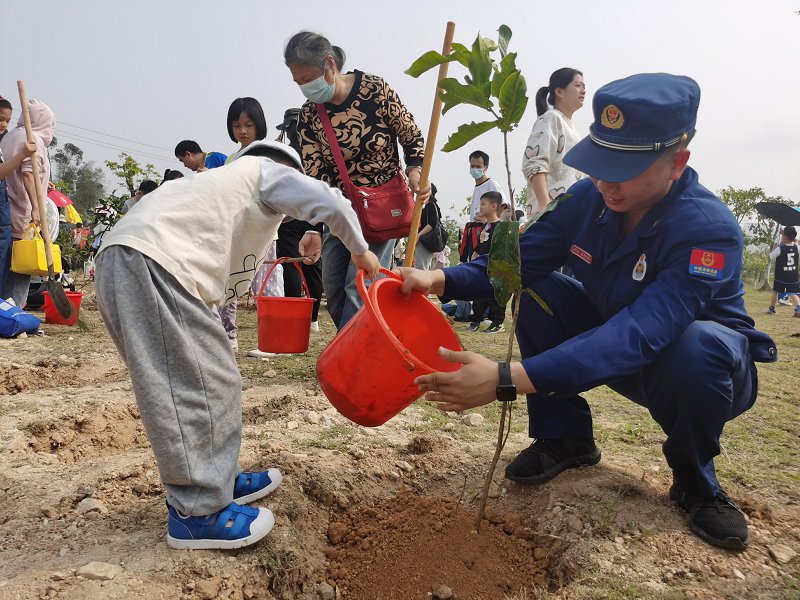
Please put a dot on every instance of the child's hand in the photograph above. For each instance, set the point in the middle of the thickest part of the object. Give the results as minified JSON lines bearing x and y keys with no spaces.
{"x":369,"y":262}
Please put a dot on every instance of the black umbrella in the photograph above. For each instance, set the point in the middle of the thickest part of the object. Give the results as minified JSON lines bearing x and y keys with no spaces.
{"x":777,"y":211}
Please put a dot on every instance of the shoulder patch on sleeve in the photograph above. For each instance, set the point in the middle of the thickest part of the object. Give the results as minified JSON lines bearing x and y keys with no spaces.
{"x":706,"y":263}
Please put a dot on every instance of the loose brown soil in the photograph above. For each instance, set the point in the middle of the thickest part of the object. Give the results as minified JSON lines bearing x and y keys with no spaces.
{"x":410,"y":546}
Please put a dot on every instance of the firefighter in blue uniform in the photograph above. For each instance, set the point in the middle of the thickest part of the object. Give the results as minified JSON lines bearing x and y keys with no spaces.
{"x":655,"y":311}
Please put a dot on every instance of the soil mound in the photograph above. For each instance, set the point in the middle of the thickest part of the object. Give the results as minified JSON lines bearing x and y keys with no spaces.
{"x":103,"y":429}
{"x":412,"y":547}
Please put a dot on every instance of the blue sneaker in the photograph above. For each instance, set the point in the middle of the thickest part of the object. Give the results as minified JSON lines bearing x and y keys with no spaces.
{"x":232,"y":527}
{"x":252,"y":486}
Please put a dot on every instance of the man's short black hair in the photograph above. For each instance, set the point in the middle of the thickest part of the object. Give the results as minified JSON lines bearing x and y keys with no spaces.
{"x":790,"y":232}
{"x":147,"y":186}
{"x":480,"y":154}
{"x":187,"y":146}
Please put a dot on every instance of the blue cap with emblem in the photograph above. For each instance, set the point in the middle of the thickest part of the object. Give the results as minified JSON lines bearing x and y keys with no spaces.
{"x":636,"y":120}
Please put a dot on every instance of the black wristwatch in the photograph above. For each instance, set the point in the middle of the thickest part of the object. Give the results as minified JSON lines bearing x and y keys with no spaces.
{"x":506,"y":390}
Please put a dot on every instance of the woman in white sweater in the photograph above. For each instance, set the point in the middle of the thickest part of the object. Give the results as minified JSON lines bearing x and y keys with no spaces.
{"x":552,"y":137}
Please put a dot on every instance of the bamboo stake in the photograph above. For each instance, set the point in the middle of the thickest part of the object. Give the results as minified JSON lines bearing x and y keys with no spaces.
{"x":430,"y":144}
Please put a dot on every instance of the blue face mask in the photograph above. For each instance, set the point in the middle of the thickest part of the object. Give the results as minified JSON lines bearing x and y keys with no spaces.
{"x":319,"y":91}
{"x":476,"y":173}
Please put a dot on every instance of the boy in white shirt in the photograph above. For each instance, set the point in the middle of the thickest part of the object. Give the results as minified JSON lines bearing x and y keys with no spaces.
{"x":161,"y":273}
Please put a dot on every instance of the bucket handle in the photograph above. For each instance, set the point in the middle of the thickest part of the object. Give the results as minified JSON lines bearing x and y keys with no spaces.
{"x":275,"y":264}
{"x":362,"y":291}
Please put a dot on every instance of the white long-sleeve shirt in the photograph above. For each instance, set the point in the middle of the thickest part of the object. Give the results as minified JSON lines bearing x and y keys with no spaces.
{"x":552,"y":136}
{"x":211,"y":231}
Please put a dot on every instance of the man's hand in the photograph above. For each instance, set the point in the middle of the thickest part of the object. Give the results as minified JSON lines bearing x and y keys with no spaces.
{"x":311,"y":246}
{"x":474,"y":384}
{"x":369,"y":263}
{"x":425,"y":282}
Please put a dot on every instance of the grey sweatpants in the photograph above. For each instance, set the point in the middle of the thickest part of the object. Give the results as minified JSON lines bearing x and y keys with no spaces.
{"x":184,"y":375}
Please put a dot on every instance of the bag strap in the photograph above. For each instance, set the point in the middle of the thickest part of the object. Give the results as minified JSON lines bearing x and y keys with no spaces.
{"x":334,"y":144}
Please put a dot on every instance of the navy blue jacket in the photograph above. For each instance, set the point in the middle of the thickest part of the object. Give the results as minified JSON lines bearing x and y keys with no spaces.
{"x":692,"y":249}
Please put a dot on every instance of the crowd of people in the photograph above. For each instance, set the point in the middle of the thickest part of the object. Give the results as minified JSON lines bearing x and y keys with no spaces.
{"x":633,"y":269}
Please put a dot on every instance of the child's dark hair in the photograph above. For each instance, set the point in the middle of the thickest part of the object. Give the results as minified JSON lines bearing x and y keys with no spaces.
{"x":480,"y":154}
{"x":5,"y":103}
{"x":547,"y":94}
{"x":171,"y":174}
{"x":252,"y":108}
{"x":147,"y":186}
{"x":187,"y":146}
{"x":790,"y":233}
{"x":494,"y":198}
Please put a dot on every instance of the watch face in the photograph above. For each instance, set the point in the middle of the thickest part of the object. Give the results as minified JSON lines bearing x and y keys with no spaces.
{"x":506,"y":393}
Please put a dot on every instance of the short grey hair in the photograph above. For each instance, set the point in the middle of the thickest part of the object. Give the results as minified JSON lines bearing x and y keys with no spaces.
{"x":308,"y":48}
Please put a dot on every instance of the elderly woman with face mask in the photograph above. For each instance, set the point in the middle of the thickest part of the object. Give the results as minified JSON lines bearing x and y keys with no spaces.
{"x":369,"y":120}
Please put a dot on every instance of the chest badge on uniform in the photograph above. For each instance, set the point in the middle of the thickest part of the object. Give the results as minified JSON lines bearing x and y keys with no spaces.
{"x":640,"y":268}
{"x":581,"y":253}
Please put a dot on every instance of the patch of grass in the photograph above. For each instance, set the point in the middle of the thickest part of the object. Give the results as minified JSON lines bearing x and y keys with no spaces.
{"x":37,"y":427}
{"x":613,"y":588}
{"x":332,"y":438}
{"x":8,"y":407}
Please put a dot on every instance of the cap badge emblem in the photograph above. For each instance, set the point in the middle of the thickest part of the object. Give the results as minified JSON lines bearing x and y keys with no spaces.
{"x":611,"y":117}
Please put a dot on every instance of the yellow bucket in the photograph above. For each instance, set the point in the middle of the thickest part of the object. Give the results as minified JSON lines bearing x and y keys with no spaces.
{"x":28,"y":256}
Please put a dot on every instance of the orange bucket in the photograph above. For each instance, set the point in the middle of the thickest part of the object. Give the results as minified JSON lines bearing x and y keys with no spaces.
{"x":284,"y":324}
{"x":51,"y":315}
{"x":368,"y":370}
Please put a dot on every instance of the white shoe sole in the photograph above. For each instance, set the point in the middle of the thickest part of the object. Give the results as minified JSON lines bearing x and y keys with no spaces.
{"x":259,"y":528}
{"x":275,"y":477}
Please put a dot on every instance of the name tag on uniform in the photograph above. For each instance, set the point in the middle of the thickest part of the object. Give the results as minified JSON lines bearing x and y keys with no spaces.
{"x":706,"y":263}
{"x":581,"y":253}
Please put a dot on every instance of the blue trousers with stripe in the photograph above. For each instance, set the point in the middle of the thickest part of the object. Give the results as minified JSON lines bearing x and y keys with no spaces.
{"x":698,"y":383}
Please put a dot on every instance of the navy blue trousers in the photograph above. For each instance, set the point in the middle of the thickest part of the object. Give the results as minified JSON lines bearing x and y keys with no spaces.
{"x":698,"y":383}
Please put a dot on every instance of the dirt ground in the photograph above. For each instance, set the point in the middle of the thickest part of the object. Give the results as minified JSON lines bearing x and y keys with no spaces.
{"x":375,"y":513}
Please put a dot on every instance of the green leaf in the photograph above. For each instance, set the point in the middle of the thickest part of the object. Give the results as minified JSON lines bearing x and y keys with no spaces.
{"x":467,"y":133}
{"x":551,"y":206}
{"x":480,"y":66}
{"x":539,"y":300}
{"x":504,"y":271}
{"x":454,"y":93}
{"x":507,"y":68}
{"x":491,"y":45}
{"x":461,"y":52}
{"x":513,"y":99}
{"x":503,"y":38}
{"x":427,"y":61}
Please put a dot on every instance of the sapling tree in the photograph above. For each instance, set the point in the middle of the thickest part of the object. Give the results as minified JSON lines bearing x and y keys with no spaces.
{"x":498,"y":87}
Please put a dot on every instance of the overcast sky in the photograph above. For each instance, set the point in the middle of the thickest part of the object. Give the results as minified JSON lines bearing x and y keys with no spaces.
{"x":157,"y":71}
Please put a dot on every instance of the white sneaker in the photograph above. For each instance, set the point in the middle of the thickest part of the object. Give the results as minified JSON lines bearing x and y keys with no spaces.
{"x":784,"y":301}
{"x":314,"y":326}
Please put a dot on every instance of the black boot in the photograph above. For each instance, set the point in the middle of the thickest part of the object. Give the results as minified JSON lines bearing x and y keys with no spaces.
{"x":716,"y":520}
{"x":544,"y":459}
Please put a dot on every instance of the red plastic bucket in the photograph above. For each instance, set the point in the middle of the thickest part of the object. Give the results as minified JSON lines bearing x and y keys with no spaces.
{"x":51,"y":315}
{"x":284,"y":324}
{"x":368,"y":370}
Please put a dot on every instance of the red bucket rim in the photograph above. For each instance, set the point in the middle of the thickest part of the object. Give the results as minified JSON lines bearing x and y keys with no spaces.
{"x":405,"y":354}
